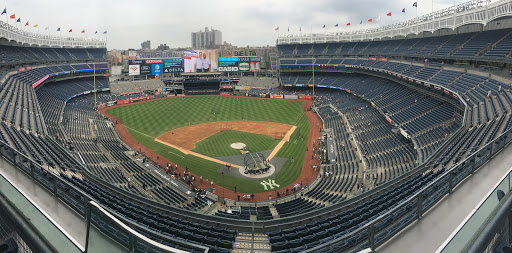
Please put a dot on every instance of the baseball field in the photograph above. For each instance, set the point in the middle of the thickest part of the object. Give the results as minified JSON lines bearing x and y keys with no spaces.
{"x":172,"y":128}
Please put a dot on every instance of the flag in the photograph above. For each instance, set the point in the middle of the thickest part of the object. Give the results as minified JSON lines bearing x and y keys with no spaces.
{"x":389,"y":14}
{"x":348,"y":23}
{"x":70,"y":30}
{"x":105,"y":32}
{"x":336,"y":25}
{"x":58,"y":29}
{"x":277,"y":28}
{"x":361,"y":22}
{"x":4,"y":12}
{"x":300,"y":29}
{"x":83,"y":31}
{"x":36,"y":25}
{"x":323,"y":26}
{"x":19,"y":20}
{"x":370,"y":20}
{"x":13,"y":16}
{"x":288,"y":28}
{"x":403,"y":10}
{"x":26,"y":23}
{"x":96,"y":32}
{"x":415,"y":4}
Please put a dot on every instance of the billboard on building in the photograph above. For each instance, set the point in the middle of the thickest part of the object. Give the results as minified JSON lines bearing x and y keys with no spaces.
{"x":132,"y":55}
{"x":200,"y":61}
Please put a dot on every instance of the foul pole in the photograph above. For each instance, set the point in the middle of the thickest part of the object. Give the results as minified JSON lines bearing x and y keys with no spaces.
{"x":94,"y":67}
{"x":313,"y":67}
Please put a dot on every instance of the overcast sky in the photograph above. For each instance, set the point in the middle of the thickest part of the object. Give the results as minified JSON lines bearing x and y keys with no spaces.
{"x":242,"y":22}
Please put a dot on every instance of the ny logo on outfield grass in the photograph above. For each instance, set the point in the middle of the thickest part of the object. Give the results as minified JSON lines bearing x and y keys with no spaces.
{"x":271,"y":184}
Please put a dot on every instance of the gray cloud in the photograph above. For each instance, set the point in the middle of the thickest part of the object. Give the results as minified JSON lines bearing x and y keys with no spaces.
{"x":242,"y":22}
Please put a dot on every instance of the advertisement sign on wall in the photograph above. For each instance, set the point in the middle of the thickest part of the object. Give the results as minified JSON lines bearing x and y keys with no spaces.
{"x":134,"y":70}
{"x":173,"y":65}
{"x":145,"y":69}
{"x":156,"y":68}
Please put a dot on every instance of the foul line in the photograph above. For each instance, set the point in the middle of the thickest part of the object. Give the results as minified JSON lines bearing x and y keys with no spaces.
{"x":188,"y":152}
{"x":281,"y":143}
{"x":139,"y":132}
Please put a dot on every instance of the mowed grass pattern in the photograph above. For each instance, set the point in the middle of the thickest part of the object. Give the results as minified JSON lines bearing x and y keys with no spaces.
{"x":219,"y":144}
{"x":149,"y":120}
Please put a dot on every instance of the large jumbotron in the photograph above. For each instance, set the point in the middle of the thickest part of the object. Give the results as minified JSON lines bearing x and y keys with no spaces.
{"x":384,"y":139}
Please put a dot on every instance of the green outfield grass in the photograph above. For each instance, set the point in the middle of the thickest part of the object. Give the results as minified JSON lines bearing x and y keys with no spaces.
{"x":218,"y":145}
{"x":149,"y":120}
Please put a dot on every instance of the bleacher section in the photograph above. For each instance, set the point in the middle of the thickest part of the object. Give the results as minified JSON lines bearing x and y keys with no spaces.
{"x":487,"y":45}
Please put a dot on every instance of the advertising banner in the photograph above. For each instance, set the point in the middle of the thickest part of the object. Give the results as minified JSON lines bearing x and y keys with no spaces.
{"x":243,"y":67}
{"x":122,"y":102}
{"x":200,"y":61}
{"x":276,"y":96}
{"x":157,"y":68}
{"x":132,"y":55}
{"x":255,"y":66}
{"x":137,"y":99}
{"x":145,"y":69}
{"x":228,"y":66}
{"x":134,"y":70}
{"x":173,"y":65}
{"x":135,"y":62}
{"x":291,"y":96}
{"x":153,"y":61}
{"x":372,"y":58}
{"x":305,"y":97}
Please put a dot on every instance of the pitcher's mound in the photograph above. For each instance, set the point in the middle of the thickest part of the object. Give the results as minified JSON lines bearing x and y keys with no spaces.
{"x":237,"y":145}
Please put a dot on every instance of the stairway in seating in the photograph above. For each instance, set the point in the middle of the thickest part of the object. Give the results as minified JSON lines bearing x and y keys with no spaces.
{"x":251,"y":243}
{"x":274,"y":212}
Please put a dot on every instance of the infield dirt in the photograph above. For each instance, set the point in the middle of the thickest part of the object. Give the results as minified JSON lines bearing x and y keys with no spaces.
{"x":187,"y":137}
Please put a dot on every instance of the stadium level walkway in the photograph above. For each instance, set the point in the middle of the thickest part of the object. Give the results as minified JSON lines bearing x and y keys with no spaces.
{"x":437,"y":225}
{"x":64,"y":216}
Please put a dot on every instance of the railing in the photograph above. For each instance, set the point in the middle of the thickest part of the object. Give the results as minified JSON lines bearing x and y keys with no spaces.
{"x":101,"y":223}
{"x":72,"y":196}
{"x":376,"y":232}
{"x":40,"y":233}
{"x":467,"y":236}
{"x":13,"y":33}
{"x":472,"y":12}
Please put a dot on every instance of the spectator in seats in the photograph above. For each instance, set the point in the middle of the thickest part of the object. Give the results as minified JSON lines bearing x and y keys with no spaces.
{"x":238,"y":197}
{"x":244,"y":197}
